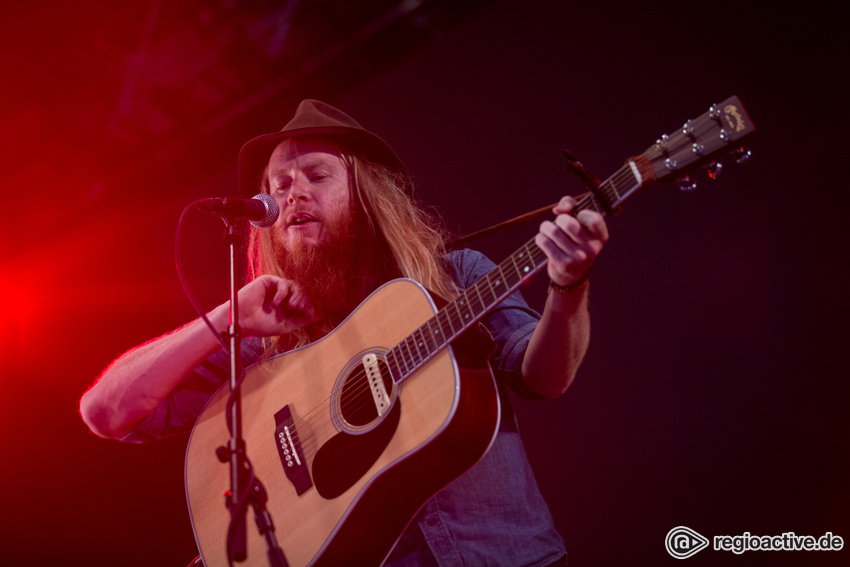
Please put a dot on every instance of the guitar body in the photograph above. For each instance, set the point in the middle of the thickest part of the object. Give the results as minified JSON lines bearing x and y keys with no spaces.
{"x":361,"y":476}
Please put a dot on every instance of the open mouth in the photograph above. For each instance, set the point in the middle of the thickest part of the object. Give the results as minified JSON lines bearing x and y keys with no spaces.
{"x":299,"y":219}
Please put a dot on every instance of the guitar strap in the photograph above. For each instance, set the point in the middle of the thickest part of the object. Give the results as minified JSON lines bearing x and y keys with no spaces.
{"x":573,"y":166}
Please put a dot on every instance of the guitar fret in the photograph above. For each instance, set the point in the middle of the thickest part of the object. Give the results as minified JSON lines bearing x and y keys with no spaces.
{"x":509,"y":274}
{"x":395,"y":362}
{"x":423,"y":343}
{"x":405,"y":362}
{"x":485,"y":290}
{"x":514,"y":276}
{"x":497,"y":283}
{"x":427,"y":332}
{"x":528,"y":265}
{"x":446,"y":324}
{"x":463,"y":311}
{"x":583,"y":203}
{"x":408,"y":357}
{"x":392,"y":363}
{"x":595,"y":204}
{"x":439,"y":334}
{"x":517,"y":273}
{"x":537,"y":254}
{"x":479,"y":305}
{"x":421,"y":348}
{"x":626,"y":181}
{"x":414,"y":350}
{"x":613,"y":185}
{"x":485,"y":293}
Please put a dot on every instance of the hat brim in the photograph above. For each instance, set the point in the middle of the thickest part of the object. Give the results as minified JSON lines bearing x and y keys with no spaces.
{"x":254,"y":155}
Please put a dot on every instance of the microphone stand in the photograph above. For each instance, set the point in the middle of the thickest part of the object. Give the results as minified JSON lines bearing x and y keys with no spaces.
{"x":243,"y":484}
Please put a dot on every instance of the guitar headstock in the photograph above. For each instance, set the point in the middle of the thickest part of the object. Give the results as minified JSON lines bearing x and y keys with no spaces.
{"x":702,"y":140}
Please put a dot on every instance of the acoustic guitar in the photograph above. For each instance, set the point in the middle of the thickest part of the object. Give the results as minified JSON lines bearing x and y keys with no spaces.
{"x":352,"y":434}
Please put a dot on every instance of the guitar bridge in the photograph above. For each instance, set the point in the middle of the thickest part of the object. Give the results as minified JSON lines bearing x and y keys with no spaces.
{"x":290,"y":453}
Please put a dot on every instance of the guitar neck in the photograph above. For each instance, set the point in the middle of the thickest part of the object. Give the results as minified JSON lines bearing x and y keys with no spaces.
{"x":472,"y":304}
{"x":697,"y":143}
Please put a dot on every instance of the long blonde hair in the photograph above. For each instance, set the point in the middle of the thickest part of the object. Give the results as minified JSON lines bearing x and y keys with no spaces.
{"x":412,"y":238}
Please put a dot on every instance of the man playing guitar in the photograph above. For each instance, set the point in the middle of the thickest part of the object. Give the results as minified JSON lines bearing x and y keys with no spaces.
{"x":348,"y":225}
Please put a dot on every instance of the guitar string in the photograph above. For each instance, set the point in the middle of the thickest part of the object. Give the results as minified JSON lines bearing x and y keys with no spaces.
{"x":355,"y":398}
{"x":358,"y":397}
{"x":468,"y":298}
{"x":307,"y":417}
{"x":352,"y":401}
{"x":357,"y":394}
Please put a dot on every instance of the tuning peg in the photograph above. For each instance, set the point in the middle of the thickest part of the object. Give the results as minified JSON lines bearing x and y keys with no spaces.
{"x":713,"y":169}
{"x":686,"y":183}
{"x":661,"y":144}
{"x":714,"y":112}
{"x":742,"y":155}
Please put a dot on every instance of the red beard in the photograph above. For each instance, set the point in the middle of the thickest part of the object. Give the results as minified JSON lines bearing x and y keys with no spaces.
{"x":336,"y":274}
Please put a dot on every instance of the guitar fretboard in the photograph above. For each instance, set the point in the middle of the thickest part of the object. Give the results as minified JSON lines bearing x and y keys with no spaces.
{"x":491,"y":289}
{"x":695,"y":144}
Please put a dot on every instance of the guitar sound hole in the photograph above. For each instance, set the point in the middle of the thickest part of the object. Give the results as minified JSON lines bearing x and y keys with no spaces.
{"x":358,"y":402}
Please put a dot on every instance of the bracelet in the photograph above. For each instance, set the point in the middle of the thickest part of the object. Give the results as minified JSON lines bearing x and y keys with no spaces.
{"x":578,"y":285}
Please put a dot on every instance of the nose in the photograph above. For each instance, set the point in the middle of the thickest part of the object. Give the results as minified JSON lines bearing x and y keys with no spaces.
{"x":298,"y":191}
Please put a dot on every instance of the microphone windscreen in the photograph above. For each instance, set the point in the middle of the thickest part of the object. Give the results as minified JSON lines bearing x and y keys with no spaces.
{"x":272,"y":210}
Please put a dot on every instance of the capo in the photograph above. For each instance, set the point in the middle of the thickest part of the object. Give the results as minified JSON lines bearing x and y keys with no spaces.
{"x":577,"y":168}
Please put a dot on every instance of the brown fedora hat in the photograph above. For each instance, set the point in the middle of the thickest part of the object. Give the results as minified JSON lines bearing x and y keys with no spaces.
{"x":313,"y":118}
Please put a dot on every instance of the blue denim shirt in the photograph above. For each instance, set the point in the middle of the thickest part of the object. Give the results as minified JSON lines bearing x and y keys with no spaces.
{"x":491,"y":515}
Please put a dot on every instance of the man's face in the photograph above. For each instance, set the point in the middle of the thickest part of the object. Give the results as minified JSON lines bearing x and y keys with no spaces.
{"x":310,"y":182}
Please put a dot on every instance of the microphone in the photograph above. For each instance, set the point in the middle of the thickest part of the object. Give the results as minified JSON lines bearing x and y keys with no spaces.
{"x":261,"y":209}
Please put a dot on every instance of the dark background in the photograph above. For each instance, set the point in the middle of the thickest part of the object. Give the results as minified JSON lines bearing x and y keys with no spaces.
{"x":714,"y":394}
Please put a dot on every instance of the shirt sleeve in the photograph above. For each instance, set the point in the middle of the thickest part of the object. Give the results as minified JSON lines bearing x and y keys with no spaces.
{"x":179,"y":411}
{"x":510,"y":324}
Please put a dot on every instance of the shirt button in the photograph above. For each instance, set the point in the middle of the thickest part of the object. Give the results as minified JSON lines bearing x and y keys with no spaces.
{"x":431,"y":521}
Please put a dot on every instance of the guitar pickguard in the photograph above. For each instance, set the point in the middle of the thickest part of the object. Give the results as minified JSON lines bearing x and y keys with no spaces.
{"x":345,"y":458}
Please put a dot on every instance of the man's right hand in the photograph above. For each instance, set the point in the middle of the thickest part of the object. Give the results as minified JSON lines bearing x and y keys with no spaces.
{"x":270,"y":305}
{"x":132,"y":386}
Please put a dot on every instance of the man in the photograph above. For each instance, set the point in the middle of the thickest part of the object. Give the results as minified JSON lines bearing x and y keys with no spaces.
{"x":348,"y":224}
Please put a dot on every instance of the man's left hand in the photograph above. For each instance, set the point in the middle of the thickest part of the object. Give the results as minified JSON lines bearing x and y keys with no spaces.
{"x":571,"y":242}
